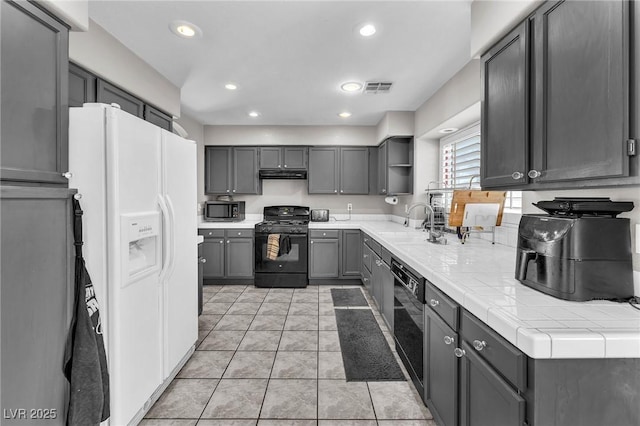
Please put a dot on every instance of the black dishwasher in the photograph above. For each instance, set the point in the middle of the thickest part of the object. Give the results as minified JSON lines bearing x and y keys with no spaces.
{"x":408,"y":320}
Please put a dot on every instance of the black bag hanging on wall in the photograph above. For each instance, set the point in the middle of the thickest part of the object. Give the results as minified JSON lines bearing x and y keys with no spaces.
{"x":85,"y":361}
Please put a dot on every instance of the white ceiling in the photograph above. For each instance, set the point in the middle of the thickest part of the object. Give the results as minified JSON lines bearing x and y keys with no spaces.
{"x":289,"y":57}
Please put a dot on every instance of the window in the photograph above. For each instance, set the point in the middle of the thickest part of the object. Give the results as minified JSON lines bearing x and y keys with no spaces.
{"x":460,"y":165}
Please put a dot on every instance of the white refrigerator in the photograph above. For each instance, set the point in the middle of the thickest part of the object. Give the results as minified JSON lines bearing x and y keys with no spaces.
{"x":138,"y":187}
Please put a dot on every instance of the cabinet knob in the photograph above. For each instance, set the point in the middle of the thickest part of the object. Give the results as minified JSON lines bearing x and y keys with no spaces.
{"x":534,"y":174}
{"x":365,"y":279}
{"x":365,"y":255}
{"x":285,"y":166}
{"x":203,"y":260}
{"x":448,"y":340}
{"x":379,"y":263}
{"x":228,"y":190}
{"x":234,"y":190}
{"x":279,"y":166}
{"x":239,"y":233}
{"x":479,"y":345}
{"x":341,"y":190}
{"x":459,"y":352}
{"x":311,"y":242}
{"x":324,"y":234}
{"x":228,"y":241}
{"x":384,"y":190}
{"x":67,"y":175}
{"x":335,"y":190}
{"x":221,"y":241}
{"x":517,"y":175}
{"x":434,"y":302}
{"x":366,"y":240}
{"x":210,"y":233}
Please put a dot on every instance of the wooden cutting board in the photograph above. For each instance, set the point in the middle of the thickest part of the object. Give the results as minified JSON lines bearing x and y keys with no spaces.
{"x":463,"y":197}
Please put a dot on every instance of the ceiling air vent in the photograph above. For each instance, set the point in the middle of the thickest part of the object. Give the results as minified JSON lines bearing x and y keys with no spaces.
{"x":377,"y":87}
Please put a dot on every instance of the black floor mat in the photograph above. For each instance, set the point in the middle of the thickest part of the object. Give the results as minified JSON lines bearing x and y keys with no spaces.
{"x":365,"y":351}
{"x":348,"y":297}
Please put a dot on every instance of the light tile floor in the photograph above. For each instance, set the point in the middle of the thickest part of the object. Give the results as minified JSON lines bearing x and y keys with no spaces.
{"x":272,"y":357}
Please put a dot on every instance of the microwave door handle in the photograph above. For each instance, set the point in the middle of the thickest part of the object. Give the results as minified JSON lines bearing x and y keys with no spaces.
{"x":165,"y":237}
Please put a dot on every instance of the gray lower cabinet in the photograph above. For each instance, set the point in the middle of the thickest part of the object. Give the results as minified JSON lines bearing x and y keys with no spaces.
{"x":376,"y":282}
{"x":351,"y":254}
{"x":231,"y":170}
{"x":324,"y":260}
{"x":387,"y":283}
{"x":440,"y":370}
{"x":34,"y":70}
{"x":228,"y":254}
{"x":377,"y":277}
{"x":36,"y":271}
{"x":200,"y":276}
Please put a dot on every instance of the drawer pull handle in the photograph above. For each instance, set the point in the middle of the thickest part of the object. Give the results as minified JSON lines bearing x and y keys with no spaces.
{"x":448,"y":340}
{"x":479,"y":345}
{"x":459,"y":352}
{"x":203,"y":260}
{"x":517,"y":175}
{"x":239,"y":233}
{"x":434,"y":302}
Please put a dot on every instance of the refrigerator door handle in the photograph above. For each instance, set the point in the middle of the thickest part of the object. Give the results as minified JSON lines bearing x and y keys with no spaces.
{"x":166,"y":238}
{"x":172,"y":228}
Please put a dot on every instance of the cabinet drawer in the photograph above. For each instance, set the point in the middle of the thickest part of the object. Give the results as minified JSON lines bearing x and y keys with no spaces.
{"x":500,"y":354}
{"x":375,"y":246}
{"x":366,"y":279}
{"x":211,"y":233}
{"x":367,"y":257}
{"x":386,"y":256}
{"x":239,"y":233}
{"x":443,"y":305}
{"x":324,"y":233}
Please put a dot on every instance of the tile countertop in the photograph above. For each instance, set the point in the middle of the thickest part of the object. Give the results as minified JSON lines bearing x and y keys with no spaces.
{"x":480,"y":277}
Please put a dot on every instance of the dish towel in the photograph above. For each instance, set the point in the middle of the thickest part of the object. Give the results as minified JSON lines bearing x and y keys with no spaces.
{"x":273,"y":246}
{"x":85,"y":361}
{"x":285,"y":245}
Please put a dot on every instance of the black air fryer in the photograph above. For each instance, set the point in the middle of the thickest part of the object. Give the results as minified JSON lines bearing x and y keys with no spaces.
{"x":579,"y":251}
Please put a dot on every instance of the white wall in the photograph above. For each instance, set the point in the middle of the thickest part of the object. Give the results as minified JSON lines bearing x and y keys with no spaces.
{"x":395,"y":123}
{"x":490,"y":20}
{"x":74,"y":12}
{"x":101,"y":53}
{"x":295,"y":192}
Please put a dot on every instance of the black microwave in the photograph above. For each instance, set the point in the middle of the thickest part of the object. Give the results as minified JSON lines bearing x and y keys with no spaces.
{"x":223,"y":211}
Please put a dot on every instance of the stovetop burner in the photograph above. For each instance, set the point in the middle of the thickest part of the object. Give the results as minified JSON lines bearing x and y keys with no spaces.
{"x":284,"y":219}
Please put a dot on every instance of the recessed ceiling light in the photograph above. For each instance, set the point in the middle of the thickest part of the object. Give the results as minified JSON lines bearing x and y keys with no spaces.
{"x":345,"y":114}
{"x":367,"y":30}
{"x":185,"y":29}
{"x":448,"y":130}
{"x":254,"y":114}
{"x":351,"y":86}
{"x":230,"y":86}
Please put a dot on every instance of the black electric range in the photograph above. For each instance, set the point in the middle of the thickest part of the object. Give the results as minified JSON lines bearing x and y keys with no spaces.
{"x":281,"y":244}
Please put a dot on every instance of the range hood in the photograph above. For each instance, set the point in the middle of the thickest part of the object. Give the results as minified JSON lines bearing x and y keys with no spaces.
{"x":282,"y":174}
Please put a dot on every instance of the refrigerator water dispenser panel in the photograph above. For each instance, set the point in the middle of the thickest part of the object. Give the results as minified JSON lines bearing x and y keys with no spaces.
{"x":142,"y":257}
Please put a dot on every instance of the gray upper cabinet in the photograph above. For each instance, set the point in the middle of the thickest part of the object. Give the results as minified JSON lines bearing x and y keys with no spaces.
{"x":323,"y":177}
{"x":157,"y":117}
{"x":354,"y":170}
{"x":505,"y":128}
{"x":231,"y":170}
{"x":560,"y":120}
{"x":107,"y":93}
{"x":34,"y":69}
{"x":245,"y":171}
{"x":82,"y":86}
{"x":395,"y":166}
{"x":283,"y":157}
{"x":581,"y":91}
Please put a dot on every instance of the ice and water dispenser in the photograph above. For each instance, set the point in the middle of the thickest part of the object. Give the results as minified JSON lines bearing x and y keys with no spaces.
{"x":141,"y":244}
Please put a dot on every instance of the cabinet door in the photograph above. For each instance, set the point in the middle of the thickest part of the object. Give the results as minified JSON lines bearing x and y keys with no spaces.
{"x":376,"y":280}
{"x":505,"y":111}
{"x":382,"y":169}
{"x":245,"y":171}
{"x":295,"y":157}
{"x":386,"y":284}
{"x":213,"y":253}
{"x":36,"y":297}
{"x":440,"y":370}
{"x":82,"y":86}
{"x":323,"y":258}
{"x":351,"y":254}
{"x":485,"y":398}
{"x":107,"y":93}
{"x":200,"y":277}
{"x":354,"y":170}
{"x":217,"y":173}
{"x":581,"y":90}
{"x":157,"y":117}
{"x":239,"y":258}
{"x":323,"y":170}
{"x":34,"y":73}
{"x":271,"y":157}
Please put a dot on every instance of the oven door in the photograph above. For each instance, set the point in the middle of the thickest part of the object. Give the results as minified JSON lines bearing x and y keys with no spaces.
{"x":292,"y":261}
{"x":408,"y":329}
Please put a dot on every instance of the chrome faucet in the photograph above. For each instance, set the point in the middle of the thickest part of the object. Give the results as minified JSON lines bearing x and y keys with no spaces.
{"x":434,"y":236}
{"x":411,"y":207}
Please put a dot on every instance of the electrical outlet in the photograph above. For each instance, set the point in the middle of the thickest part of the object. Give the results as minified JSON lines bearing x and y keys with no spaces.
{"x":349,"y":207}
